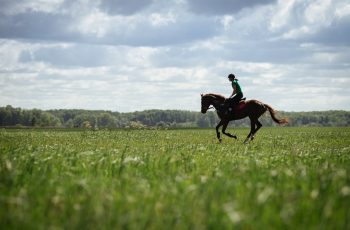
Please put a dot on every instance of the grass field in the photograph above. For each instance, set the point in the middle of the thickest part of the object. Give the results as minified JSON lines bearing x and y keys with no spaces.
{"x":287,"y":178}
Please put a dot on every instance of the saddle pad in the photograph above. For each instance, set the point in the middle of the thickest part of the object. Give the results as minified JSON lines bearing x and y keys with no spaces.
{"x":240,"y":106}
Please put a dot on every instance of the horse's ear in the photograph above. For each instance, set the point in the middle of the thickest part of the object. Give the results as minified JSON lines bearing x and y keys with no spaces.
{"x":201,"y":94}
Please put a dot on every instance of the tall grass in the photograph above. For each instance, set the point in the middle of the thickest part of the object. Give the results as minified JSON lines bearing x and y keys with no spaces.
{"x":287,"y":178}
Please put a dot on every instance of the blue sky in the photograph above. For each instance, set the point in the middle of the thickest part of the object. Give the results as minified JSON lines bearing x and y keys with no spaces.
{"x":161,"y":54}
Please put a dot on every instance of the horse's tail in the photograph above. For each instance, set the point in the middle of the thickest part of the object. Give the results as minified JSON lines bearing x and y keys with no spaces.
{"x":273,"y":116}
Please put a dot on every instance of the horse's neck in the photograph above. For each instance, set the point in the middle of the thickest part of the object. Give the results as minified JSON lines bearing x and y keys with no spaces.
{"x":219,"y":98}
{"x":217,"y":101}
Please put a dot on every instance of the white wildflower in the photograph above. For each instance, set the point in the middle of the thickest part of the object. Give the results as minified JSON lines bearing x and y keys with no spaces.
{"x":264,"y":195}
{"x":314,"y":194}
{"x":345,"y":191}
{"x":232,"y":213}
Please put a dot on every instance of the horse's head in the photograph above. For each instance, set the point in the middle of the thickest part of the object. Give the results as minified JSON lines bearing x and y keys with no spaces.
{"x":206,"y":102}
{"x":210,"y":99}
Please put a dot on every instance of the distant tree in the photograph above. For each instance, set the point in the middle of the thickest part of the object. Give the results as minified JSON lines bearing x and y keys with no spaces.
{"x":81,"y":118}
{"x":33,"y":121}
{"x":203,"y":122}
{"x":6,"y":115}
{"x":106,"y":120}
{"x":69,"y":123}
{"x":136,"y":125}
{"x":86,"y":125}
{"x":162,"y":125}
{"x":10,"y":116}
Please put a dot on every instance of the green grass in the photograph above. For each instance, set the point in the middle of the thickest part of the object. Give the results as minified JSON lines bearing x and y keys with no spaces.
{"x":287,"y":178}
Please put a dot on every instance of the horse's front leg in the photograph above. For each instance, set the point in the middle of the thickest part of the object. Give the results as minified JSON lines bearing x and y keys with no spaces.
{"x":225,"y":124}
{"x":218,"y":132}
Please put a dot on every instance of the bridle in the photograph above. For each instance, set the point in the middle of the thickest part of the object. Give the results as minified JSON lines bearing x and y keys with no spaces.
{"x":212,"y":106}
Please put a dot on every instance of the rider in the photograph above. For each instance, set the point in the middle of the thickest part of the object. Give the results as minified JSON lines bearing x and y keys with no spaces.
{"x":237,"y":93}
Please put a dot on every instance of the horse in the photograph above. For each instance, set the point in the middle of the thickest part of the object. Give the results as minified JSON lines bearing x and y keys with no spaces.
{"x":246,"y":108}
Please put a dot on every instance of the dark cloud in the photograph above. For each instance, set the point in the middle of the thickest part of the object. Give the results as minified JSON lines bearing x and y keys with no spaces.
{"x":36,"y":25}
{"x":337,"y":34}
{"x":74,"y":55}
{"x":123,"y":7}
{"x":266,"y":51}
{"x":183,"y":31}
{"x":5,"y":4}
{"x":218,"y":7}
{"x":63,"y":28}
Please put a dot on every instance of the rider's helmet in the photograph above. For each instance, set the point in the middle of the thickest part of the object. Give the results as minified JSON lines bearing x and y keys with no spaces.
{"x":231,"y":76}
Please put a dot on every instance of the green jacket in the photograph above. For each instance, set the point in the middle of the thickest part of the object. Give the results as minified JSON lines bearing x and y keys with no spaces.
{"x":238,"y":87}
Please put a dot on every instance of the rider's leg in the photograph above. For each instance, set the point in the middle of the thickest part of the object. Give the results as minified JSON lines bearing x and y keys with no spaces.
{"x":234,"y":101}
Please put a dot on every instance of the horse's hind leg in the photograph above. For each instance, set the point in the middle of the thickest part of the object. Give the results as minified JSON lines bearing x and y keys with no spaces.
{"x":224,"y":131}
{"x":252,"y":129}
{"x":258,"y":126}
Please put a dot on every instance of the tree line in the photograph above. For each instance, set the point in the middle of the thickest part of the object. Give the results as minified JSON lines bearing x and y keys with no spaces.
{"x":74,"y":118}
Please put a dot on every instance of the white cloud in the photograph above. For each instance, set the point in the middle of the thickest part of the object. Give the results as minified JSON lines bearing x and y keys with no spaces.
{"x":297,"y":33}
{"x":303,"y":20}
{"x":162,"y":19}
{"x":96,"y":23}
{"x":319,"y":12}
{"x":283,"y":14}
{"x":342,"y":10}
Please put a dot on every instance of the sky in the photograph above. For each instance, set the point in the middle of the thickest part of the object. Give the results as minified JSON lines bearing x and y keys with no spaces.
{"x":134,"y":55}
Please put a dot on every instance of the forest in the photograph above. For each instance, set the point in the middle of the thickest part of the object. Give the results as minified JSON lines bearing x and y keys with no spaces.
{"x":97,"y":119}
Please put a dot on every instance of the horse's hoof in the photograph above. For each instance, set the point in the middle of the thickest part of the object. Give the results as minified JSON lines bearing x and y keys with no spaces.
{"x":235,"y":137}
{"x":220,"y":140}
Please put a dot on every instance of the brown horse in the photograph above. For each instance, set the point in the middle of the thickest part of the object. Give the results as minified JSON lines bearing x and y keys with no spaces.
{"x":250,"y":108}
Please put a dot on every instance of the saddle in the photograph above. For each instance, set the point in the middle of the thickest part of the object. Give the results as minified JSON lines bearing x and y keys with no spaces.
{"x":235,"y":108}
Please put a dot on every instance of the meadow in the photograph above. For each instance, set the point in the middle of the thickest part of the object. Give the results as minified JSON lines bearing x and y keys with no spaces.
{"x":287,"y":178}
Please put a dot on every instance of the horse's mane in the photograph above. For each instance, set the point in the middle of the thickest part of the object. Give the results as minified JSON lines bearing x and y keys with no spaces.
{"x":218,"y":96}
